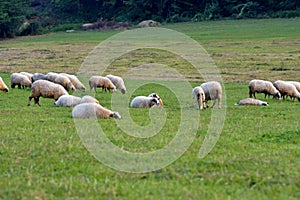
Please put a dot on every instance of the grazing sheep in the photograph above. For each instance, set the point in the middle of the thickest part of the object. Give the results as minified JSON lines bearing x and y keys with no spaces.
{"x":51,"y":76}
{"x":3,"y":86}
{"x":65,"y":82}
{"x":93,"y":110}
{"x":156,"y":96}
{"x":20,"y":80}
{"x":296,"y":84}
{"x":199,"y":96}
{"x":46,"y":89}
{"x":29,"y":75}
{"x":254,"y":102}
{"x":287,"y":89}
{"x":118,"y":82}
{"x":88,"y":99}
{"x":144,"y":102}
{"x":38,"y":76}
{"x":67,"y":101}
{"x":212,"y":91}
{"x":261,"y":86}
{"x":100,"y":81}
{"x":75,"y":81}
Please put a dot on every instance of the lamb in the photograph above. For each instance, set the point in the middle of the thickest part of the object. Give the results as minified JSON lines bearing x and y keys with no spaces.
{"x":38,"y":76}
{"x":46,"y":89}
{"x":156,"y":96}
{"x":29,"y":75}
{"x":100,"y":81}
{"x":118,"y":82}
{"x":287,"y":89}
{"x":199,"y":96}
{"x":65,"y":82}
{"x":93,"y":110}
{"x":20,"y":80}
{"x":88,"y":99}
{"x":212,"y":91}
{"x":3,"y":86}
{"x":68,"y":101}
{"x":296,"y":84}
{"x":251,"y":101}
{"x":144,"y":102}
{"x":261,"y":86}
{"x":75,"y":81}
{"x":51,"y":76}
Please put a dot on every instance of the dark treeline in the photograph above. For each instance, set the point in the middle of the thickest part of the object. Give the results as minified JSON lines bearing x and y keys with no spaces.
{"x":23,"y":17}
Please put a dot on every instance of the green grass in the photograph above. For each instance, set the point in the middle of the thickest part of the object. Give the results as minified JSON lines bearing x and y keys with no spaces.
{"x":256,"y":157}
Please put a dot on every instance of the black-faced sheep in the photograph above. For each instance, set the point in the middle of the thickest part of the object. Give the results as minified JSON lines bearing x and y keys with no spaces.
{"x":3,"y":86}
{"x":261,"y":86}
{"x":158,"y":97}
{"x":38,"y":76}
{"x":251,"y":101}
{"x":199,"y":96}
{"x":103,"y":82}
{"x":287,"y":89}
{"x":20,"y":80}
{"x":65,"y":82}
{"x":144,"y":102}
{"x":68,"y":101}
{"x":46,"y":89}
{"x":93,"y":110}
{"x":118,"y":82}
{"x":212,"y":91}
{"x":75,"y":81}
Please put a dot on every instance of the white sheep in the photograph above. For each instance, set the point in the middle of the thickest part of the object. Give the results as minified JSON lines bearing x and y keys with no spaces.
{"x":262,"y":86}
{"x":75,"y":81}
{"x":212,"y":91}
{"x":118,"y":82}
{"x":38,"y":76}
{"x":158,"y":97}
{"x":20,"y":80}
{"x":88,"y":99}
{"x":103,"y":82}
{"x":93,"y":110}
{"x":296,"y":84}
{"x":288,"y":89}
{"x":46,"y":89}
{"x":65,"y":82}
{"x":199,"y":96}
{"x":144,"y":102}
{"x":148,"y":23}
{"x":51,"y":76}
{"x":3,"y":86}
{"x":29,"y":75}
{"x":68,"y":101}
{"x":251,"y":101}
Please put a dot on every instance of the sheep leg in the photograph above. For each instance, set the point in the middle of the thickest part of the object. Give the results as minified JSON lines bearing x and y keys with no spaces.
{"x":219,"y":103}
{"x":36,"y":101}
{"x":29,"y":99}
{"x":214,"y":102}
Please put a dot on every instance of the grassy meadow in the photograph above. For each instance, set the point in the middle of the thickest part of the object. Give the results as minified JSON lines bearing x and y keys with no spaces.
{"x":256,"y":157}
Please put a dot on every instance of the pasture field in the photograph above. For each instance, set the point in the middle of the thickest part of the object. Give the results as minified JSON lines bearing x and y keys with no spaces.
{"x":256,"y":157}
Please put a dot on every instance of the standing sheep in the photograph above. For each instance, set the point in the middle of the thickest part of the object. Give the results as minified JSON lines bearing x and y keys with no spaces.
{"x":199,"y":96}
{"x":250,"y":101}
{"x":93,"y":110}
{"x":261,"y":86}
{"x":296,"y":84}
{"x":118,"y":82}
{"x":287,"y":89}
{"x":51,"y":76}
{"x":144,"y":102}
{"x":38,"y":76}
{"x":46,"y":89}
{"x":29,"y":75}
{"x":20,"y":80}
{"x":156,"y":96}
{"x":3,"y":86}
{"x":65,"y":82}
{"x":68,"y":101}
{"x":100,"y":81}
{"x":88,"y":99}
{"x":75,"y":81}
{"x":212,"y":91}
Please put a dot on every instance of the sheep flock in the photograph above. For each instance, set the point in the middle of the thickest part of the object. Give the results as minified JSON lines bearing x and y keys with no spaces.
{"x":57,"y":86}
